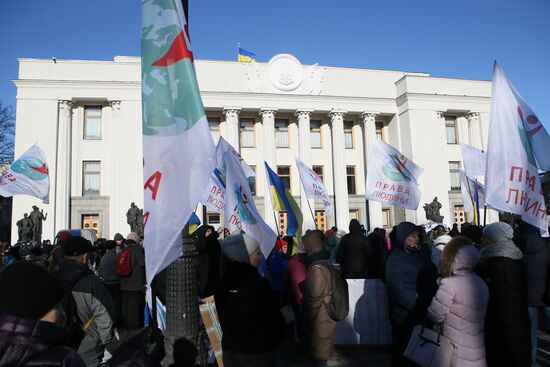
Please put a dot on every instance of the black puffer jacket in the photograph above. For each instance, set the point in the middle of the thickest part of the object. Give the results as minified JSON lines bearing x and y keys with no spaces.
{"x":535,"y":256}
{"x":356,"y":255}
{"x":507,"y":325}
{"x":247,"y":308}
{"x":28,"y":342}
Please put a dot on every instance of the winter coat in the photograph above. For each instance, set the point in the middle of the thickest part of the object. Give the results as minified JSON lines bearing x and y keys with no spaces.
{"x":410,"y":280}
{"x":107,"y":267}
{"x":210,"y":260}
{"x":507,"y":324}
{"x":93,"y":302}
{"x":535,"y":255}
{"x":460,"y":304}
{"x":28,"y":342}
{"x":277,"y":267}
{"x":356,"y":255}
{"x":136,"y":281}
{"x":318,"y":327}
{"x":295,"y":275}
{"x":248,"y":311}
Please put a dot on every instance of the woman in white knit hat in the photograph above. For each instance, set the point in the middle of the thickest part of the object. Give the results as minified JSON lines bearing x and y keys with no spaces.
{"x":250,"y":319}
{"x":507,"y":324}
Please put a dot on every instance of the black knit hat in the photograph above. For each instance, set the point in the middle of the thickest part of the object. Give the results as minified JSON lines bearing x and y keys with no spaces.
{"x":75,"y":246}
{"x":28,"y":290}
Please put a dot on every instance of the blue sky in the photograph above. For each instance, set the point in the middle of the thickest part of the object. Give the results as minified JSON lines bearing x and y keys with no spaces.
{"x":459,"y":38}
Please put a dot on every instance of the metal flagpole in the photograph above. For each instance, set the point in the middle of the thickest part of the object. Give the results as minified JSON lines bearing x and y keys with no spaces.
{"x":484,"y":215}
{"x":312,"y":214}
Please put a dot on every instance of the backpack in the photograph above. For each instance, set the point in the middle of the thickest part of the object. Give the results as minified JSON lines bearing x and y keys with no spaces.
{"x":123,"y":262}
{"x":338,"y":306}
{"x":73,"y":324}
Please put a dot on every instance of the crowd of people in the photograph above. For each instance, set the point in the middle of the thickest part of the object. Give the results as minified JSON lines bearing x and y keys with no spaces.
{"x":484,"y":288}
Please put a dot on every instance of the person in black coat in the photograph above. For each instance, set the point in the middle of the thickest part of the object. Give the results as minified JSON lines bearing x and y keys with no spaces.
{"x":210,"y":259}
{"x":507,"y":325}
{"x":250,"y":319}
{"x":411,"y":283}
{"x":356,"y":255}
{"x":535,"y":256}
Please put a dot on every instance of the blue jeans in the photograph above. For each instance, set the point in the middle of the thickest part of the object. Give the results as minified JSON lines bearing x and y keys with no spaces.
{"x":534,"y":316}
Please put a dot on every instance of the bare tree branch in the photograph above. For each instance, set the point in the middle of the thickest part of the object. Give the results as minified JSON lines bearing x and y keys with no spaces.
{"x":7,"y":133}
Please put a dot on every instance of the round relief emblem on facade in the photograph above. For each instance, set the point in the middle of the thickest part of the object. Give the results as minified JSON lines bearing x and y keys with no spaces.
{"x":285,"y":72}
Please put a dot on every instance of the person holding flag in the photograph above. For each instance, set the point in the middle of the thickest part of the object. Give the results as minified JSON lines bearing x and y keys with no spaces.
{"x":283,"y":201}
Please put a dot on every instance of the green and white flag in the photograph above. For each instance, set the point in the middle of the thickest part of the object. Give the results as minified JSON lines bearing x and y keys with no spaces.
{"x":178,"y":150}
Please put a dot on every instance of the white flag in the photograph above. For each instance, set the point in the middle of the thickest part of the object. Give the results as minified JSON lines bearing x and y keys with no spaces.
{"x":213,"y":196}
{"x":475,"y":160}
{"x":178,"y":150}
{"x":240,"y":211}
{"x":28,"y":175}
{"x":517,"y":142}
{"x":392,"y":178}
{"x":314,"y":186}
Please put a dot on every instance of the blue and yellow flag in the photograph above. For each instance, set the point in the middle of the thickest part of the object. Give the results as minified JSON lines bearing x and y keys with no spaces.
{"x":283,"y":201}
{"x":246,"y":56}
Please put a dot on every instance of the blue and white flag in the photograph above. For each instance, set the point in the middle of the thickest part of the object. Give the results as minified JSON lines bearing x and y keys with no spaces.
{"x":214,"y":195}
{"x":392,"y":178}
{"x":240,"y":211}
{"x":28,"y":175}
{"x":517,"y":148}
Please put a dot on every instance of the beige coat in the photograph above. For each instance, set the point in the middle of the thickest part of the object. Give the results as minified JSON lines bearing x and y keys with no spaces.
{"x":318,"y":327}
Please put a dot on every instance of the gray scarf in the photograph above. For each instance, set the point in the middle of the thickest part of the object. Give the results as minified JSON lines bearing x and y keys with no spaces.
{"x":502,"y":248}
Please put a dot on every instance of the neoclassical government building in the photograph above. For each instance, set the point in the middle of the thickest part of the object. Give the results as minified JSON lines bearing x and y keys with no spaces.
{"x":86,"y":115}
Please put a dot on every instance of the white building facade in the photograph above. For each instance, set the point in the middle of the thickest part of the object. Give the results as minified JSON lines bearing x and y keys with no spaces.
{"x":86,"y":116}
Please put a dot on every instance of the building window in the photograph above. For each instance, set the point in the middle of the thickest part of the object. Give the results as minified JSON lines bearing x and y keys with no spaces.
{"x":348,"y":134}
{"x":321,"y":220}
{"x":214,"y":125}
{"x":451,"y":129}
{"x":92,"y":122}
{"x":386,"y":218}
{"x":91,"y":221}
{"x":319,"y":171}
{"x":91,"y":178}
{"x":454,"y":170}
{"x":247,"y":133}
{"x":354,"y":214}
{"x":379,"y":130}
{"x":284,"y":174}
{"x":350,"y":171}
{"x":281,"y":133}
{"x":315,"y":133}
{"x":213,"y":219}
{"x":252,"y":181}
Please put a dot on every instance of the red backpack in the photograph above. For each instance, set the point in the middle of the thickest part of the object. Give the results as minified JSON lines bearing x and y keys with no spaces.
{"x":124,"y":262}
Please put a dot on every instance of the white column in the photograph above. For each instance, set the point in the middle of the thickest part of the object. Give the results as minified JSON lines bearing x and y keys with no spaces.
{"x":369,"y":134}
{"x":305,"y":156}
{"x":232,"y":126}
{"x":339,"y":169}
{"x":63,"y":167}
{"x":114,"y":201}
{"x":268,"y":128}
{"x":474,"y":130}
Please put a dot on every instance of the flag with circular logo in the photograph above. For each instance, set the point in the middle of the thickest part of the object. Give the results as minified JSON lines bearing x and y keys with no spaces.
{"x":28,"y":175}
{"x":392,"y":177}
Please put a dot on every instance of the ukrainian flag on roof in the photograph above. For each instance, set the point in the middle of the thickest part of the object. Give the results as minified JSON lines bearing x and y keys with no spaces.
{"x":283,"y":201}
{"x":246,"y":56}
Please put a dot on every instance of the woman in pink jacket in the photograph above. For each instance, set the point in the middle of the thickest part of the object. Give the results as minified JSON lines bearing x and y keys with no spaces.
{"x":460,"y":303}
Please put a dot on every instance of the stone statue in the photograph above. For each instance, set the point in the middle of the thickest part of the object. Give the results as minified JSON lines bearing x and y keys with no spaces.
{"x":24,"y":228}
{"x":432,"y":211}
{"x":139,"y":226}
{"x":132,"y":217}
{"x":37,"y":217}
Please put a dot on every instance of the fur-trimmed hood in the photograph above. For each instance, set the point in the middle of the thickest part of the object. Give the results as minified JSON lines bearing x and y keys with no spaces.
{"x":458,"y":257}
